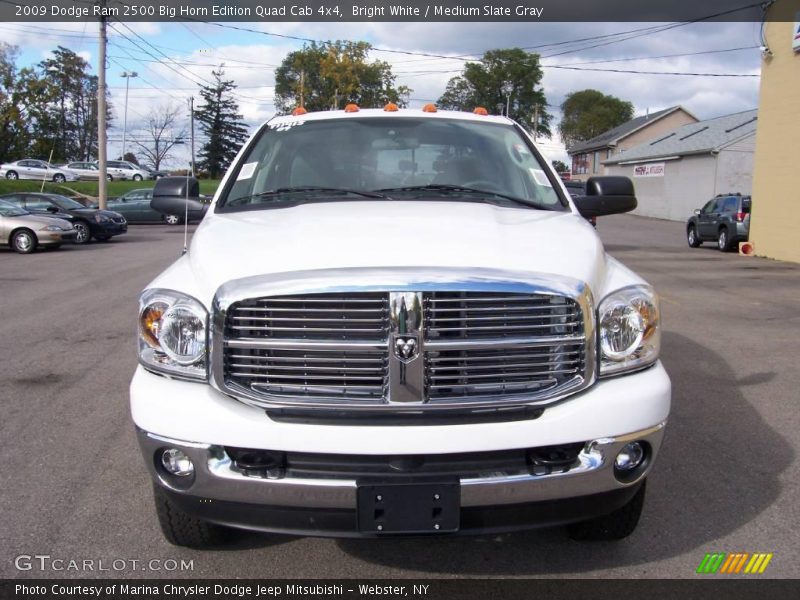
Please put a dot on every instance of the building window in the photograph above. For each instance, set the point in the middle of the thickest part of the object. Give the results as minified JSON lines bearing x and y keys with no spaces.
{"x":580,"y":164}
{"x":596,"y":162}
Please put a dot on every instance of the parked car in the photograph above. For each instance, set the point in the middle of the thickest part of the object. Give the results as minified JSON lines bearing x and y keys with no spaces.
{"x":25,"y":232}
{"x":123,"y":170}
{"x":178,"y":198}
{"x":86,"y":170}
{"x":396,"y":322}
{"x":41,"y":170}
{"x":156,"y":174}
{"x":89,"y":223}
{"x":136,"y":207}
{"x":725,"y":219}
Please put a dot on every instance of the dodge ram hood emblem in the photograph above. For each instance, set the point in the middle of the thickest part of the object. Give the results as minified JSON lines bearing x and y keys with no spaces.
{"x":406,"y":348}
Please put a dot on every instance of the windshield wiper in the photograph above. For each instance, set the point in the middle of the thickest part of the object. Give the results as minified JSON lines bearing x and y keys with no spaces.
{"x":445,"y":188}
{"x":311,"y":190}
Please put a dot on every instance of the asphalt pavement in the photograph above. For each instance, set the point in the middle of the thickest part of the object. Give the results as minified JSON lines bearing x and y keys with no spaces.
{"x":74,"y":486}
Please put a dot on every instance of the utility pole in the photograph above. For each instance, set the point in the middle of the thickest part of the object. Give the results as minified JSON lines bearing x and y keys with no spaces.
{"x":302,"y":86}
{"x":191,"y":120}
{"x":535,"y":121}
{"x":101,"y":110}
{"x":127,"y":75}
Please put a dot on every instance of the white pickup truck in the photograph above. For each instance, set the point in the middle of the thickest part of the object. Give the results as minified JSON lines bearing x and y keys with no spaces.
{"x":397,"y":322}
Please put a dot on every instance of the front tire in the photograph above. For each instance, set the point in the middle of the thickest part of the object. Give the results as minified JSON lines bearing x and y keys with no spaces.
{"x":24,"y":241}
{"x":181,"y":529}
{"x":173,"y":219}
{"x":692,"y":238}
{"x":12,"y":175}
{"x":137,"y":177}
{"x":615,"y":526}
{"x":84,"y":233}
{"x":723,"y":240}
{"x":59,"y":178}
{"x":109,"y":178}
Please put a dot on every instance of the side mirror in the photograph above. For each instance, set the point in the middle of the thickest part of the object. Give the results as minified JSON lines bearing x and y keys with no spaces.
{"x":609,"y":195}
{"x":176,"y":195}
{"x":697,"y":211}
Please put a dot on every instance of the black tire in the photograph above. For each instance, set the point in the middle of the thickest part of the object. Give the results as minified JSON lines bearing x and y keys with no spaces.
{"x":615,"y":526}
{"x":181,"y":529}
{"x":12,"y":175}
{"x":137,"y":177}
{"x":84,"y":233}
{"x":59,"y":178}
{"x":24,"y":241}
{"x":724,"y":240}
{"x":109,"y":177}
{"x":692,"y":237}
{"x":173,"y":220}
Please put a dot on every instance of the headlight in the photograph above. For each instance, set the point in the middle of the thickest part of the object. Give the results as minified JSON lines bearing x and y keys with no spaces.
{"x":628,"y":322}
{"x":173,"y":333}
{"x":52,"y":228}
{"x":101,"y":218}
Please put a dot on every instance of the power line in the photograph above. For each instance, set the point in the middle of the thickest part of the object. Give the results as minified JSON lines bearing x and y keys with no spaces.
{"x":610,"y":60}
{"x":651,"y":72}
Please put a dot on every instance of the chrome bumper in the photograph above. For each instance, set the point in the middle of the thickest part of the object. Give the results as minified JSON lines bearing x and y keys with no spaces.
{"x":215,"y":479}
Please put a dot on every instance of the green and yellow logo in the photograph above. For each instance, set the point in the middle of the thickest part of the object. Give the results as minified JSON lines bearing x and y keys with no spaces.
{"x":734,"y":563}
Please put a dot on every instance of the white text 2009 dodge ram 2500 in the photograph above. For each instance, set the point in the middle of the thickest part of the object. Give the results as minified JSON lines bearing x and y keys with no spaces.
{"x":398,"y":322}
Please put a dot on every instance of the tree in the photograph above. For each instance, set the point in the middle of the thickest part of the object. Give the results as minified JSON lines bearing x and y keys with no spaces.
{"x":131,"y":158}
{"x":219,"y":119}
{"x":13,"y":133}
{"x":588,"y":113}
{"x":560,"y":166}
{"x":330,"y":75}
{"x":159,"y":137}
{"x":508,"y":77}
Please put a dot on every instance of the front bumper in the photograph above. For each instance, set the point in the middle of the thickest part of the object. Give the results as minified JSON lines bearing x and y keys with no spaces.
{"x":50,"y":238}
{"x":202,"y":422}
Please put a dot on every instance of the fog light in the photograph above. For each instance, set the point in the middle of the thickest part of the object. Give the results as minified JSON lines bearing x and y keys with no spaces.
{"x":629,"y":457}
{"x":177,"y":463}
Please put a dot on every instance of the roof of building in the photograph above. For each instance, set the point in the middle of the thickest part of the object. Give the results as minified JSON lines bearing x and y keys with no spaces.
{"x":695,"y":138}
{"x":612,"y":136}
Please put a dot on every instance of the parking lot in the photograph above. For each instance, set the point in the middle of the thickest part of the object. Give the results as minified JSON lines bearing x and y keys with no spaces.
{"x":74,"y":486}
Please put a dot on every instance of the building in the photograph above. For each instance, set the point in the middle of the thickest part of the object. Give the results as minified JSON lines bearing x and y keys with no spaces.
{"x":682,"y":169}
{"x":587,"y":157}
{"x":775,"y":220}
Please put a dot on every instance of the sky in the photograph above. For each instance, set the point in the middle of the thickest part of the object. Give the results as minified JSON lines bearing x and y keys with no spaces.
{"x":173,"y":59}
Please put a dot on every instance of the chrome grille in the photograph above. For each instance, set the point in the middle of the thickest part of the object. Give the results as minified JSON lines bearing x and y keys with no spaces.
{"x":511,"y":344}
{"x":320,"y":346}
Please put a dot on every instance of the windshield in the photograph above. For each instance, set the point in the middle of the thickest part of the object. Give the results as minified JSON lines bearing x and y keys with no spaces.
{"x":66,"y":203}
{"x":402,"y":158}
{"x":10,"y":210}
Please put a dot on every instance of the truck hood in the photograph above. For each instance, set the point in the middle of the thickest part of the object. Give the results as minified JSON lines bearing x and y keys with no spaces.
{"x":335,"y":235}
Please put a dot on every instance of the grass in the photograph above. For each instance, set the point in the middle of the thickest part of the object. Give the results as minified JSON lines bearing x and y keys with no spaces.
{"x":89,"y":188}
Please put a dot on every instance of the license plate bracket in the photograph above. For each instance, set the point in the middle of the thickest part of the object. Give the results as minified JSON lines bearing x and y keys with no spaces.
{"x":409,"y":507}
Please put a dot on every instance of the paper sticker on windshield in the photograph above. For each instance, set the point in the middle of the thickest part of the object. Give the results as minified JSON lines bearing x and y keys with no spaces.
{"x":540,"y":178}
{"x":247,"y":171}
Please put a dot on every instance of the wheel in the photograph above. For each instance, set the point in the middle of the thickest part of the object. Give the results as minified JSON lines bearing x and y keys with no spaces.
{"x":615,"y":526}
{"x":84,"y":233}
{"x":24,"y":241}
{"x":109,"y":177}
{"x":59,"y":178}
{"x":173,"y":219}
{"x":723,"y":240}
{"x":692,"y":237}
{"x":102,"y":238}
{"x":181,"y":529}
{"x":137,"y":177}
{"x":12,"y":175}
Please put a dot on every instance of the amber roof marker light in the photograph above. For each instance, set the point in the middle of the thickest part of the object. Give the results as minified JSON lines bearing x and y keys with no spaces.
{"x":431,"y":108}
{"x":299,"y":111}
{"x":481,"y":111}
{"x":350,"y":108}
{"x":391,"y":107}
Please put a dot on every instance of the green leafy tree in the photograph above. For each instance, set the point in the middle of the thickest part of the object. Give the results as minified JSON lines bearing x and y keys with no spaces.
{"x":13,"y":133}
{"x":503,"y":78}
{"x":588,"y":113}
{"x":219,"y":119}
{"x":560,"y":166}
{"x":330,"y":75}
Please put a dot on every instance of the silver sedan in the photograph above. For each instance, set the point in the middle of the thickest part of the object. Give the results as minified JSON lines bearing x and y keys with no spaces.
{"x":24,"y":232}
{"x":86,"y":170}
{"x":40,"y":170}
